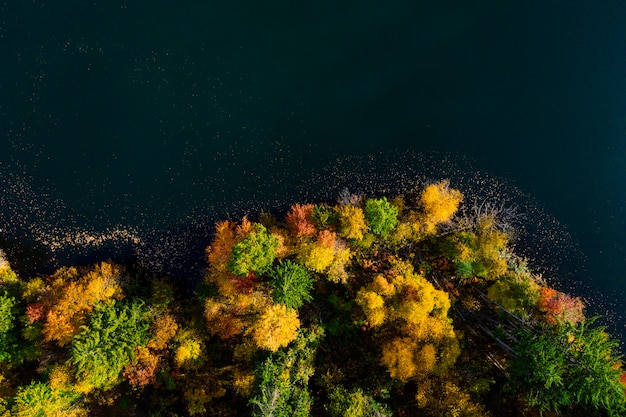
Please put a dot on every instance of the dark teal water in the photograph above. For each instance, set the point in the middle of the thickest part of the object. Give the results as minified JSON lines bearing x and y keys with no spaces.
{"x":148,"y":120}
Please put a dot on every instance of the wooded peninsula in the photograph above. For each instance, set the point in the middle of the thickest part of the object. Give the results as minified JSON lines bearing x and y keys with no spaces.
{"x":416,"y":305}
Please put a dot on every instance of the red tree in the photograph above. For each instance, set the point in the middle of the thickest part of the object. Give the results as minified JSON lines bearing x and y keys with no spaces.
{"x":560,"y":305}
{"x":299,"y":220}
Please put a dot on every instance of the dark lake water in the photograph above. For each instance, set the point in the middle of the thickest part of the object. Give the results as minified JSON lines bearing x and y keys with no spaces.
{"x":143,"y":122}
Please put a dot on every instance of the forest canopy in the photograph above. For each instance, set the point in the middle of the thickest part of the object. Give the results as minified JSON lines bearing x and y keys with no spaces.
{"x":369,"y":306}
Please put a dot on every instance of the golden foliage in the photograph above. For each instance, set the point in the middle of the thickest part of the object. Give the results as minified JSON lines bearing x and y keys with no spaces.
{"x":33,"y":289}
{"x":381,"y":286}
{"x":445,"y":399}
{"x":400,"y":266}
{"x":189,"y":349}
{"x":491,"y":243}
{"x":373,"y":306}
{"x":398,"y":357}
{"x":428,"y":328}
{"x":60,"y":376}
{"x":69,"y":303}
{"x":219,"y":251}
{"x":402,"y":233}
{"x":439,"y":203}
{"x":327,"y":254}
{"x":417,"y":313}
{"x":372,"y":300}
{"x":424,"y":394}
{"x":426,"y":358}
{"x":352,"y":223}
{"x":420,"y":297}
{"x":163,"y":330}
{"x":5,"y":267}
{"x":316,"y":257}
{"x":337,"y":270}
{"x":276,"y":328}
{"x":243,"y":381}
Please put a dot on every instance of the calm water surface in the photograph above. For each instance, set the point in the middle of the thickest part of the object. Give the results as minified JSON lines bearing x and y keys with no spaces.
{"x":125,"y":120}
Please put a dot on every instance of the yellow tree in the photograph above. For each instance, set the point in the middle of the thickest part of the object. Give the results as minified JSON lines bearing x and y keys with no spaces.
{"x":406,"y":358}
{"x":491,"y":244}
{"x":189,"y":349}
{"x":337,"y":270}
{"x":229,"y":317}
{"x":276,"y":328}
{"x":373,"y":306}
{"x":68,"y":303}
{"x":439,"y":203}
{"x":414,"y":316}
{"x":352,"y":223}
{"x":372,"y":299}
{"x":163,"y":331}
{"x":398,"y":356}
{"x":318,"y":256}
{"x":328,"y":254}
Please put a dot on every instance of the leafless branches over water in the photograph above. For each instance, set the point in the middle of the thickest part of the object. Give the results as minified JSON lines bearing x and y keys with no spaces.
{"x":504,"y":216}
{"x":347,"y":198}
{"x":3,"y":260}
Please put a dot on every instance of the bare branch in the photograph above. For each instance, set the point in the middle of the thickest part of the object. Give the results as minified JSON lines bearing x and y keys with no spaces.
{"x":347,"y":198}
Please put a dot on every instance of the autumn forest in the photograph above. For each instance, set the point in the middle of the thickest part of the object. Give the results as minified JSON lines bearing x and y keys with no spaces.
{"x":408,"y":305}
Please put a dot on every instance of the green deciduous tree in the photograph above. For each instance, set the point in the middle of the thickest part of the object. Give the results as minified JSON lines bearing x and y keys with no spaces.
{"x":517,"y":293}
{"x":381,"y":216}
{"x":255,"y":253}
